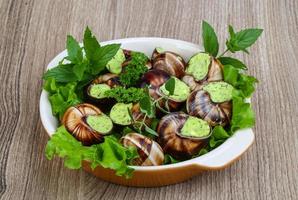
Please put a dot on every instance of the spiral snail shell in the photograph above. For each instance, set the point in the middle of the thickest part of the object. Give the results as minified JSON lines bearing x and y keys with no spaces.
{"x":173,"y":142}
{"x":150,"y":153}
{"x":169,"y":62}
{"x":87,"y":123}
{"x":201,"y":69}
{"x":200,"y":104}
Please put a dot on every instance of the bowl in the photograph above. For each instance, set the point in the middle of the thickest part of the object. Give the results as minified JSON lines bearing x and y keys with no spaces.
{"x":153,"y":176}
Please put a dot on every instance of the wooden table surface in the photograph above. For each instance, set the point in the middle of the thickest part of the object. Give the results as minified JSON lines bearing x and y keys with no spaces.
{"x":33,"y":31}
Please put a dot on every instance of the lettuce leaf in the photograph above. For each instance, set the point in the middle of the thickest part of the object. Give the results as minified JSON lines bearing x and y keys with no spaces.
{"x":61,"y":96}
{"x":109,"y":154}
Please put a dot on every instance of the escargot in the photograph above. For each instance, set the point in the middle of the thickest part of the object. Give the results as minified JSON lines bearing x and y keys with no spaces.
{"x":150,"y":153}
{"x":156,"y":79}
{"x":95,"y":91}
{"x":211,"y":103}
{"x":87,"y":123}
{"x":169,"y":62}
{"x":201,"y":69}
{"x":181,"y":135}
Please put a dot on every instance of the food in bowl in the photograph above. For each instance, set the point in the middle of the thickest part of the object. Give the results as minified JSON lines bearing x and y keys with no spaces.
{"x":119,"y":108}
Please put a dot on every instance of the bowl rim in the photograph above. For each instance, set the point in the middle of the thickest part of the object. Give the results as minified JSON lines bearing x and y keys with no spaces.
{"x":203,"y":162}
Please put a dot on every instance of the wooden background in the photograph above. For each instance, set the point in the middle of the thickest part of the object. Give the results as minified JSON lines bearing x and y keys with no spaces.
{"x":32,"y":32}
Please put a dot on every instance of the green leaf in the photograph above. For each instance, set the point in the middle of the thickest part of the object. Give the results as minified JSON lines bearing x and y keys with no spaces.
{"x":74,"y":51}
{"x":91,"y":45}
{"x":170,"y":160}
{"x":219,"y":133}
{"x":232,"y":61}
{"x":109,"y":154}
{"x":210,"y":39}
{"x":61,"y":96}
{"x":242,"y":114}
{"x":150,"y":131}
{"x":61,"y":73}
{"x":126,"y":95}
{"x":243,"y":39}
{"x":79,"y":70}
{"x":231,"y":31}
{"x":147,"y":107}
{"x":246,"y":84}
{"x":230,"y":74}
{"x":102,"y":56}
{"x":170,"y":86}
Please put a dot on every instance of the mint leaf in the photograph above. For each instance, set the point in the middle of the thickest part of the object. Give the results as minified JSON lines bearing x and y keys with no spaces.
{"x":147,"y":107}
{"x":243,"y":39}
{"x":79,"y":69}
{"x":210,"y":39}
{"x":74,"y":51}
{"x":62,"y":73}
{"x":150,"y":131}
{"x":90,"y":44}
{"x":231,"y":31}
{"x":102,"y":56}
{"x":170,"y":86}
{"x":232,"y":61}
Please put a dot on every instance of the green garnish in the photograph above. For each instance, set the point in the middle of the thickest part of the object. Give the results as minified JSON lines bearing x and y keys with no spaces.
{"x":244,"y":85}
{"x":65,"y":82}
{"x":98,"y":91}
{"x":219,"y":91}
{"x":134,"y":70}
{"x":100,"y":123}
{"x":115,"y":64}
{"x":124,"y":95}
{"x":195,"y":127}
{"x":109,"y":154}
{"x":175,"y":89}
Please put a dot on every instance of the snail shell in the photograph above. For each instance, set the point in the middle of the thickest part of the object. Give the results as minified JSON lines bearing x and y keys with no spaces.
{"x":215,"y":73}
{"x":172,"y":143}
{"x":169,"y":62}
{"x":150,"y":153}
{"x":199,"y":104}
{"x":155,"y":78}
{"x":138,"y":115}
{"x":74,"y":120}
{"x":110,"y":79}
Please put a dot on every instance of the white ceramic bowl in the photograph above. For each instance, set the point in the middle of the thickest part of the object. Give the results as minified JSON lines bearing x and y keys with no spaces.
{"x":218,"y":158}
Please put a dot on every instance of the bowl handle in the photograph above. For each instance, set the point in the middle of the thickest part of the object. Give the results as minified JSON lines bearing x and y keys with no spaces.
{"x":228,"y":152}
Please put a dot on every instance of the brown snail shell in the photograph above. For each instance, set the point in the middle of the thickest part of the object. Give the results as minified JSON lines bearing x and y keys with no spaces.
{"x":169,"y":62}
{"x":155,"y":78}
{"x":138,"y":115}
{"x":150,"y":153}
{"x":74,"y":120}
{"x":199,"y":104}
{"x":171,"y":141}
{"x":215,"y":73}
{"x":110,"y":79}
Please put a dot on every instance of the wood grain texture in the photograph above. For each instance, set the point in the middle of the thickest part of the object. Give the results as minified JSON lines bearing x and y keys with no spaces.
{"x":34,"y":31}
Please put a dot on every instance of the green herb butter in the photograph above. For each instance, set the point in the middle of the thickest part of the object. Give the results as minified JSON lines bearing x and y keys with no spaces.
{"x":219,"y":91}
{"x":120,"y":115}
{"x":98,"y":90}
{"x":100,"y":123}
{"x":115,"y":64}
{"x":198,"y":66}
{"x":195,"y":127}
{"x":159,"y":49}
{"x":181,"y":90}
